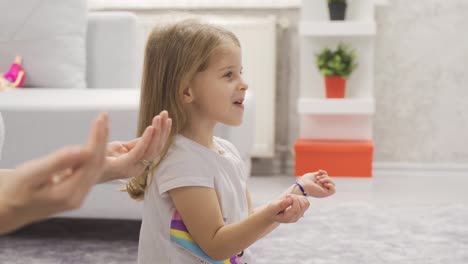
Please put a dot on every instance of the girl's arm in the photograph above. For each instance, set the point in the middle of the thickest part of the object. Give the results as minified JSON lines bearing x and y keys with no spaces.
{"x":290,"y":190}
{"x":200,"y":211}
{"x":316,"y":184}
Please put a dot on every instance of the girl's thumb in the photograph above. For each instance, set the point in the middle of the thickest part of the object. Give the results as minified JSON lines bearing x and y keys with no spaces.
{"x":284,"y":203}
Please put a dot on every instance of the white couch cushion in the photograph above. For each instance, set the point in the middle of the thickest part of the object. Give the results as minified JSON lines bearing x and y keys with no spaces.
{"x":2,"y":135}
{"x":50,"y":35}
{"x":112,"y":50}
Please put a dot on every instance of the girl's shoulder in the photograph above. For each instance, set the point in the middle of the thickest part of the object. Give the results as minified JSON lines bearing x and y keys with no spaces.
{"x":185,"y":164}
{"x":181,"y":151}
{"x":227,"y":146}
{"x":187,"y":153}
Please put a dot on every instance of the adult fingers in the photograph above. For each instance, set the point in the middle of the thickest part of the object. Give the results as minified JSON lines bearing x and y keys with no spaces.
{"x":70,"y":191}
{"x":97,"y":131}
{"x":97,"y":144}
{"x":41,"y":170}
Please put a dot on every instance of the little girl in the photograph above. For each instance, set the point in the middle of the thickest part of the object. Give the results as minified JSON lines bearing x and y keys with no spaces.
{"x":197,"y":208}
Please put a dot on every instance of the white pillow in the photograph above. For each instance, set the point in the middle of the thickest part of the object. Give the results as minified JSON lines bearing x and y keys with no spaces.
{"x":50,"y":35}
{"x":2,"y":135}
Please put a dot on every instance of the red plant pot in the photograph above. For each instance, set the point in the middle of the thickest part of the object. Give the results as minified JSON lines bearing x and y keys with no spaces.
{"x":335,"y":86}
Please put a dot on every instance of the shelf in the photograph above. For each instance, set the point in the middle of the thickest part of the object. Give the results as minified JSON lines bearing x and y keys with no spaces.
{"x":381,"y":2}
{"x":337,"y":28}
{"x":192,"y":4}
{"x":322,"y":106}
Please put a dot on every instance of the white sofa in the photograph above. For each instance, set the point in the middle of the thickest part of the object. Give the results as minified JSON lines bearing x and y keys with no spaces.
{"x":39,"y":120}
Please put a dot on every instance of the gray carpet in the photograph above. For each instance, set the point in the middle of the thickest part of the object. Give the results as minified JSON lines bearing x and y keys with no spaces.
{"x":360,"y":233}
{"x":346,"y":233}
{"x":72,"y":241}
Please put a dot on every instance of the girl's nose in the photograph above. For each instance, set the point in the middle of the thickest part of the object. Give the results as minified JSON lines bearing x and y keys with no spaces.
{"x":243,"y":85}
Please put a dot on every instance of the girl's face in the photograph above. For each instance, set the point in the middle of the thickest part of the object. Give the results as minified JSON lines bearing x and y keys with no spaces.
{"x":219,"y":91}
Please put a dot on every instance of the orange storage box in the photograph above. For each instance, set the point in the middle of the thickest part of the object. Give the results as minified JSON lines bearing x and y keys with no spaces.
{"x":337,"y":157}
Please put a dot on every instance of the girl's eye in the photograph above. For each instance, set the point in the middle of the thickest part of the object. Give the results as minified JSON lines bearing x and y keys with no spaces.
{"x":228,"y":75}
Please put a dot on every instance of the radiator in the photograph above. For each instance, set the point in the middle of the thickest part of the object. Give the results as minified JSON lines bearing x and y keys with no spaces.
{"x":258,"y":41}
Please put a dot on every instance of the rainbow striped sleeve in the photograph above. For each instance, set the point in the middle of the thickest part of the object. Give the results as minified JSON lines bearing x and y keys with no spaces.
{"x":181,"y":236}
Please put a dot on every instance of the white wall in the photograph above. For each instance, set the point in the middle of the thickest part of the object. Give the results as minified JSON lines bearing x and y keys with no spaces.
{"x":421,"y":82}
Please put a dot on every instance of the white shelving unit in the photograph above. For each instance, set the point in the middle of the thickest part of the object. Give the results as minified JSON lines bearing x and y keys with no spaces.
{"x":337,"y":28}
{"x":349,"y":118}
{"x":315,"y":106}
{"x":336,"y":134}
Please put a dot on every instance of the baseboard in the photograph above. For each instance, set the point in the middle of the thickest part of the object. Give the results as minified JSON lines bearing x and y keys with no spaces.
{"x":410,"y":169}
{"x":265,"y":166}
{"x":419,"y":169}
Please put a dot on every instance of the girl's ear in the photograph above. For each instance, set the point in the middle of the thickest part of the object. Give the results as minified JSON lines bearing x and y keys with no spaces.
{"x":187,"y":95}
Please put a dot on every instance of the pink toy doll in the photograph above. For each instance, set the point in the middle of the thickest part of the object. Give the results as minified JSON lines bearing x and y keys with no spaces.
{"x":14,"y":77}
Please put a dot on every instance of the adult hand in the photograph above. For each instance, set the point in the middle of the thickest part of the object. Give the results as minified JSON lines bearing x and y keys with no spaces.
{"x":124,"y":159}
{"x":53,"y":184}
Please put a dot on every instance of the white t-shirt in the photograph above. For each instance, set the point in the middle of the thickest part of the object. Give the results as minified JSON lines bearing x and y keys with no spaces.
{"x":2,"y":135}
{"x":163,"y":235}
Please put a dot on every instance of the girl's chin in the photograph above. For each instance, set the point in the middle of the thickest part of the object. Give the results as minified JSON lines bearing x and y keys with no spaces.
{"x":233,"y":122}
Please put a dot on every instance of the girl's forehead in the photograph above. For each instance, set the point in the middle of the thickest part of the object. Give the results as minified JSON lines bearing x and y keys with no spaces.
{"x":225,"y":54}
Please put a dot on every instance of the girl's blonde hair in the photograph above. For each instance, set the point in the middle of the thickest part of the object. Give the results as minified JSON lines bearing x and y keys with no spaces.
{"x":174,"y":54}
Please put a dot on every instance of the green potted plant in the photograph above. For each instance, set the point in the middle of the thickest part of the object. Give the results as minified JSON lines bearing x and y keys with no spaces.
{"x":336,"y":66}
{"x":337,"y":9}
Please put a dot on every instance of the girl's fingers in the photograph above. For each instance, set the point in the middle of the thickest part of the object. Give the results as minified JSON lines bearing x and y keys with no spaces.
{"x":305,"y":206}
{"x":138,"y":152}
{"x":331,"y":187}
{"x":327,"y":182}
{"x":166,"y":124}
{"x":164,"y":117}
{"x":303,"y":203}
{"x":167,"y":130}
{"x":285,"y":204}
{"x":159,"y":139}
{"x":155,"y":141}
{"x":295,"y":211}
{"x":131,"y":144}
{"x":296,"y":208}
